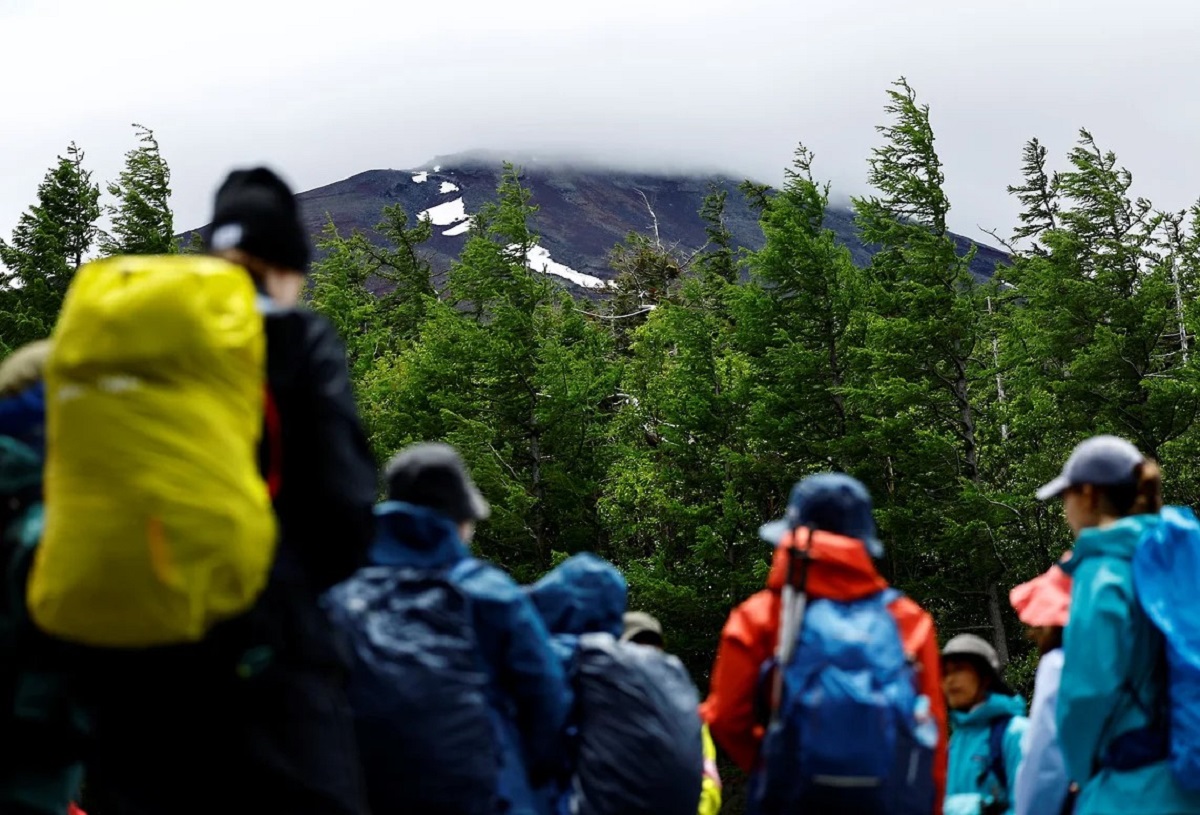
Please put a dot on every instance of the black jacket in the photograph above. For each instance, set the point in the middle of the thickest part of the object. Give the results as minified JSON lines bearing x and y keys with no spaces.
{"x":328,"y":482}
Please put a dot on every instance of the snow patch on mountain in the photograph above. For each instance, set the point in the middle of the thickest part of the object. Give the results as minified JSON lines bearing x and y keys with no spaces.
{"x":459,"y":229}
{"x":538,"y":260}
{"x":446,"y":214}
{"x":447,"y":187}
{"x":421,"y":177}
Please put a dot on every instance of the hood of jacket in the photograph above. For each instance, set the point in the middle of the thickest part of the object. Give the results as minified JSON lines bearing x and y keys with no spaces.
{"x":583,"y":594}
{"x":993,"y":707}
{"x":839,"y":569}
{"x":412,"y":536}
{"x":1117,"y":540}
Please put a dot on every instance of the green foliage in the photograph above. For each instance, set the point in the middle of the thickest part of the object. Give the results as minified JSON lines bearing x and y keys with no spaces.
{"x":690,"y":482}
{"x":377,"y":294}
{"x":142,"y":223}
{"x":506,"y":367}
{"x":49,"y":243}
{"x":923,"y":385}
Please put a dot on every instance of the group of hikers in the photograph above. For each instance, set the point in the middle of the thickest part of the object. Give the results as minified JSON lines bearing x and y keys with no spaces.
{"x":204,"y":609}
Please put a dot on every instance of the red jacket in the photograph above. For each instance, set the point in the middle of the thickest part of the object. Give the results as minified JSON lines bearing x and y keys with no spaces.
{"x":840,"y":569}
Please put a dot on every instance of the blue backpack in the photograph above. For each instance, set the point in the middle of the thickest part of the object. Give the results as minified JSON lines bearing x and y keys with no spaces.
{"x":1165,"y":566}
{"x":419,"y":689}
{"x":640,"y":749}
{"x":995,"y":767}
{"x":848,"y":734}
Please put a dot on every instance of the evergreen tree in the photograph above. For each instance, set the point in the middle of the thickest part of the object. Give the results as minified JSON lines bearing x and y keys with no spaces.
{"x":688,"y":484}
{"x":346,"y":283}
{"x":337,"y":288}
{"x":510,"y":371}
{"x":142,"y":223}
{"x":920,"y":381}
{"x":193,"y":246}
{"x":1038,"y":195}
{"x":646,"y":273}
{"x":1099,"y":331}
{"x":403,"y":268}
{"x":50,"y":241}
{"x":805,"y":288}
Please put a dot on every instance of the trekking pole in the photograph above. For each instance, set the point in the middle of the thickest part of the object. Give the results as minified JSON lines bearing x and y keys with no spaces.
{"x":794,"y":605}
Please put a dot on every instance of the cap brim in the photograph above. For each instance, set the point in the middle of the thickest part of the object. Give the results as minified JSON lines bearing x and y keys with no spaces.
{"x":639,"y":631}
{"x":774,"y":531}
{"x":1053,"y":489}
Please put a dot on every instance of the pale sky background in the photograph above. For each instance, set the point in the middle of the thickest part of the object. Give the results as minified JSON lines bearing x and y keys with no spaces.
{"x":321,"y":91}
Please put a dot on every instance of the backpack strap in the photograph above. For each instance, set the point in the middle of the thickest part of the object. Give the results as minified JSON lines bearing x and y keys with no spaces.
{"x":887,"y":597}
{"x":995,"y":766}
{"x":465,"y":568}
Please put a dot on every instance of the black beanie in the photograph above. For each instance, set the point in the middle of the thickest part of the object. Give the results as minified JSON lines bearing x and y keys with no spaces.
{"x":256,"y":212}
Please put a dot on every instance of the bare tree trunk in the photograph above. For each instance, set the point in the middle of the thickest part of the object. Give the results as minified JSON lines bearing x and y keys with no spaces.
{"x":539,"y":489}
{"x":1183,"y":337}
{"x":1000,"y":395}
{"x":996,"y":610}
{"x":971,"y":457}
{"x":835,"y":374}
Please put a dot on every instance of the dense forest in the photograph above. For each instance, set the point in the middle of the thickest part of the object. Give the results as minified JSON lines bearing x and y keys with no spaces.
{"x":660,"y":425}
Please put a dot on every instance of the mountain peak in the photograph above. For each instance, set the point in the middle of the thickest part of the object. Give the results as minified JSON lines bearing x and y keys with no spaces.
{"x":585,"y":208}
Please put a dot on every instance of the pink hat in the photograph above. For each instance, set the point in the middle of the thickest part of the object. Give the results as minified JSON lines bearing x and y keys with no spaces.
{"x":1045,"y":600}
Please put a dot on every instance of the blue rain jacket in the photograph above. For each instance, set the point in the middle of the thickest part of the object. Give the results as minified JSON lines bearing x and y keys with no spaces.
{"x":1112,"y":678}
{"x":970,"y":753}
{"x":585,"y":594}
{"x":1042,"y":782}
{"x":529,"y":692}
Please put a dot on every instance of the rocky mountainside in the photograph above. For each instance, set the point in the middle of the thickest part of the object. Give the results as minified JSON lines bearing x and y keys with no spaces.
{"x":583,"y":211}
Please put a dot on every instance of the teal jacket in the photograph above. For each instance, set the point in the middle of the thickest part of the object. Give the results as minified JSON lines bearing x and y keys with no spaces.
{"x":970,"y":754}
{"x":1112,"y":653}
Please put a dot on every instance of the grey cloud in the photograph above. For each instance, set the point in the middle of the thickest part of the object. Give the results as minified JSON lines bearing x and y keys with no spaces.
{"x":668,"y":85}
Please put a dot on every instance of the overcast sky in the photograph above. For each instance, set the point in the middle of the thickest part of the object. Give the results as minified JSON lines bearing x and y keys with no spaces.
{"x":322,"y":91}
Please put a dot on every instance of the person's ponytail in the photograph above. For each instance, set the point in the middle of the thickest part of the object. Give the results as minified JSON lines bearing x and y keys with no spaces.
{"x":1148,"y":498}
{"x":1143,"y":497}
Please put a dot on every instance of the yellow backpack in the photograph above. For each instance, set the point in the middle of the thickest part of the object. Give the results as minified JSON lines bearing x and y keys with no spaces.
{"x":158,"y":521}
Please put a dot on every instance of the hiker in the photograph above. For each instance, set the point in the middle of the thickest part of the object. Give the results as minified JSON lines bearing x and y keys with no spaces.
{"x":823,"y":582}
{"x":212,"y":479}
{"x":641,"y":628}
{"x":633,"y":744}
{"x":23,"y":395}
{"x":1121,"y":733}
{"x":584,"y":594}
{"x":1043,"y":605}
{"x":42,"y":743}
{"x":458,"y":697}
{"x":988,"y":725}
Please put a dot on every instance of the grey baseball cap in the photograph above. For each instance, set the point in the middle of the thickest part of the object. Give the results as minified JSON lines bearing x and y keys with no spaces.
{"x":969,"y":645}
{"x":1103,"y":460}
